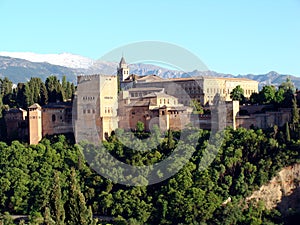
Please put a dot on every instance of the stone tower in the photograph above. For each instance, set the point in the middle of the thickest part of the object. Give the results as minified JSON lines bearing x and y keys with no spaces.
{"x":35,"y":123}
{"x":123,"y":70}
{"x":96,"y":107}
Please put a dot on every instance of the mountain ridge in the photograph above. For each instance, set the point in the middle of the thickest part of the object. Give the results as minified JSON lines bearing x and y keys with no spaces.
{"x":20,"y":70}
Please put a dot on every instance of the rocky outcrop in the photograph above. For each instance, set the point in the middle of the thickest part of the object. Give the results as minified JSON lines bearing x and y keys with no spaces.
{"x":283,"y":191}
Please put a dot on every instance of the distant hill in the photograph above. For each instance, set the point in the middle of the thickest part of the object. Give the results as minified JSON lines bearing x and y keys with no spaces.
{"x":20,"y":70}
{"x":34,"y":65}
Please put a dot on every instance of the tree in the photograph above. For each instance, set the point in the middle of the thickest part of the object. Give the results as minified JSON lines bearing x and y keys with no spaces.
{"x":56,"y":203}
{"x":43,"y":95}
{"x":268,"y":94}
{"x":54,"y":88}
{"x":140,"y":127}
{"x":21,"y":98}
{"x":5,"y":86}
{"x":279,"y":95}
{"x":196,"y":105}
{"x":288,"y":85}
{"x":77,"y":213}
{"x":255,"y":98}
{"x":237,"y":94}
{"x":295,"y":112}
{"x":287,"y":132}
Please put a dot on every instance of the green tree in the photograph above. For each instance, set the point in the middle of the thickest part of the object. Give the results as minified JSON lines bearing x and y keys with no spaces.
{"x":54,"y":89}
{"x":196,"y":105}
{"x":279,"y":95}
{"x":288,"y":85}
{"x":56,"y":203}
{"x":237,"y":94}
{"x":43,"y":100}
{"x":21,"y":98}
{"x":287,"y":132}
{"x":268,"y":94}
{"x":295,"y":112}
{"x":140,"y":127}
{"x":5,"y":86}
{"x":77,"y":213}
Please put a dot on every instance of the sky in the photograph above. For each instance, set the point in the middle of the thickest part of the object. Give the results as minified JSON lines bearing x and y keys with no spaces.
{"x":237,"y":37}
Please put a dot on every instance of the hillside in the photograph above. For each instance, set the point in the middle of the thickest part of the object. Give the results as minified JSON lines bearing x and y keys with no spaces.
{"x":282,"y":191}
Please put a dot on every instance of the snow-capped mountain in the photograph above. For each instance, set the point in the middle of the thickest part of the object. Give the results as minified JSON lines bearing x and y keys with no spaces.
{"x":63,"y":59}
{"x":20,"y":66}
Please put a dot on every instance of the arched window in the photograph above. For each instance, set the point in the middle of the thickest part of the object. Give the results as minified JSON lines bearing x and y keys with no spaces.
{"x":53,"y":118}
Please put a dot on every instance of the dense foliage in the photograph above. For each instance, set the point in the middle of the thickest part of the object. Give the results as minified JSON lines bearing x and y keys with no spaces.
{"x":52,"y":183}
{"x":280,"y":97}
{"x":34,"y":91}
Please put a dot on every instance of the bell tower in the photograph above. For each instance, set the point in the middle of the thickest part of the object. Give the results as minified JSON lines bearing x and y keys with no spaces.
{"x":123,"y":70}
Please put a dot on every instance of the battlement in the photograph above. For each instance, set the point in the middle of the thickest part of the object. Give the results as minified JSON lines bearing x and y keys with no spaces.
{"x":81,"y":78}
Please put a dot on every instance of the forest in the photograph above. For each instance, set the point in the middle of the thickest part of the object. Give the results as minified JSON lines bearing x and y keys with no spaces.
{"x":53,"y":184}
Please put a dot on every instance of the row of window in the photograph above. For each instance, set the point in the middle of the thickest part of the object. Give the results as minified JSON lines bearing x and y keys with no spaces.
{"x":89,"y":98}
{"x":222,"y":91}
{"x":89,"y":111}
{"x":34,"y":117}
{"x":108,"y":110}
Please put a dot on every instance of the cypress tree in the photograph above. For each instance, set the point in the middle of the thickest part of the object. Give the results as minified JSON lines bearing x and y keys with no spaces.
{"x":77,"y":212}
{"x":56,"y":203}
{"x":295,"y":112}
{"x":287,"y":132}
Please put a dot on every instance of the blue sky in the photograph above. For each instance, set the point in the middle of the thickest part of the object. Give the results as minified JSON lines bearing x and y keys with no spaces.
{"x":237,"y":37}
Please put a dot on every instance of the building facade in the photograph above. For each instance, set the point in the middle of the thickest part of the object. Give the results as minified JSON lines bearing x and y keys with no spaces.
{"x":152,"y":107}
{"x":96,"y":105}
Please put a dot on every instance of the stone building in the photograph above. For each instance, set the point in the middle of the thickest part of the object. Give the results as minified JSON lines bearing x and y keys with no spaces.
{"x":201,"y":88}
{"x":35,"y":123}
{"x":262,"y":118}
{"x":96,"y":106}
{"x":16,"y":124}
{"x":152,"y":107}
{"x":57,"y":118}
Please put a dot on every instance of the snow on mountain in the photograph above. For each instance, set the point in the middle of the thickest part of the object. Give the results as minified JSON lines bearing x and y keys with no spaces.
{"x":63,"y":59}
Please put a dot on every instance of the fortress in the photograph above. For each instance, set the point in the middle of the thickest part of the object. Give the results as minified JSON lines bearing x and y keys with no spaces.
{"x":104,"y":103}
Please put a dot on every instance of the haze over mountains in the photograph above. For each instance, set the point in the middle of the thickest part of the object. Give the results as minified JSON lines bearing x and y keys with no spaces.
{"x":20,"y":66}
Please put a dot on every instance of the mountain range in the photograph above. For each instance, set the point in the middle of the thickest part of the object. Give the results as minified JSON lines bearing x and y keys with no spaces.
{"x":19,"y":67}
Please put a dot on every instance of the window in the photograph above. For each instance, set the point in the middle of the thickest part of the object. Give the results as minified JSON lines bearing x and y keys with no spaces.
{"x":53,"y":118}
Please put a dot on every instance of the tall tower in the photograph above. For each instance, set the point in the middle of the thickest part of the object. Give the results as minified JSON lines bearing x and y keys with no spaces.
{"x":35,"y":123}
{"x":123,"y":70}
